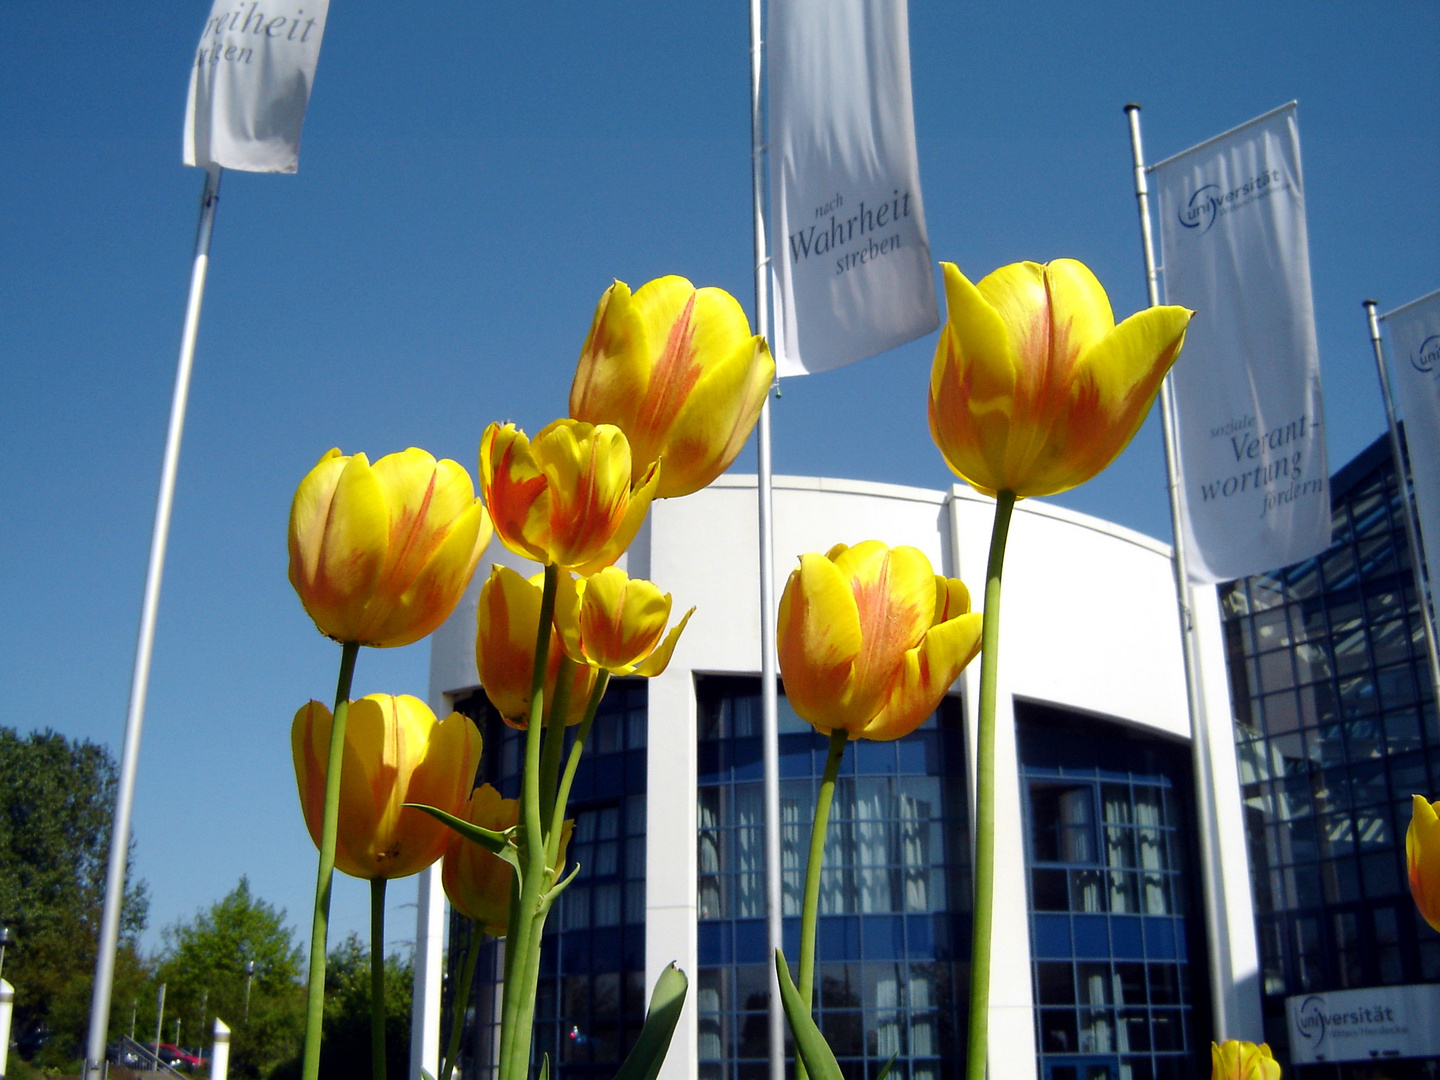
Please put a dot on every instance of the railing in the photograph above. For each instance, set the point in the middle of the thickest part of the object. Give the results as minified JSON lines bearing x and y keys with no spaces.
{"x":136,"y":1055}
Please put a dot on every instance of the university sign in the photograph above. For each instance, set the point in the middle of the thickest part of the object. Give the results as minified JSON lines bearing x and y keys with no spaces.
{"x":1358,"y":1025}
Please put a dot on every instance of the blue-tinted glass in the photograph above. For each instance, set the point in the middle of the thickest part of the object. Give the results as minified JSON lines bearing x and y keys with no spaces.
{"x":1092,"y":935}
{"x":1051,"y":936}
{"x":1159,"y":939}
{"x":1127,"y":937}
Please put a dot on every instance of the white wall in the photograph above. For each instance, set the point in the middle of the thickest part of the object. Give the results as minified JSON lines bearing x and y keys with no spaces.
{"x":1089,"y":623}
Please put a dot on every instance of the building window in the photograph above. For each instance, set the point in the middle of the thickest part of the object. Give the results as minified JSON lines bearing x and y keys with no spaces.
{"x":591,"y":998}
{"x":1118,"y":965}
{"x":1329,"y":756}
{"x":894,"y":926}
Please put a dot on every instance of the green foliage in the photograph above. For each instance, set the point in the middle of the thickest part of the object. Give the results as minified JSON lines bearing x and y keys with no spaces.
{"x":56,"y":802}
{"x":203,"y":962}
{"x":345,"y":1054}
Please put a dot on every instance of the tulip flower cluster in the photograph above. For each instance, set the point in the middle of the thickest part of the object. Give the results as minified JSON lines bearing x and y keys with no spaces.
{"x":1236,"y":1060}
{"x":669,"y":384}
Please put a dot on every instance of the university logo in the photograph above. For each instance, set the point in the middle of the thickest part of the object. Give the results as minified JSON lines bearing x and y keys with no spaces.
{"x":1210,"y":201}
{"x":1311,"y":1021}
{"x":1427,"y":356}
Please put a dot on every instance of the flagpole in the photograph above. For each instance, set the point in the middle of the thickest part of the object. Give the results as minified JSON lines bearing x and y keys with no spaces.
{"x":764,"y":490}
{"x":1402,"y":474}
{"x":140,"y":678}
{"x":1199,"y":729}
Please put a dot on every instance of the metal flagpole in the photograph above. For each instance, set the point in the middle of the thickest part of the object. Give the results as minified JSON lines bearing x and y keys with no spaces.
{"x":1412,"y":530}
{"x":774,"y":924}
{"x":1199,"y":729}
{"x":140,"y":678}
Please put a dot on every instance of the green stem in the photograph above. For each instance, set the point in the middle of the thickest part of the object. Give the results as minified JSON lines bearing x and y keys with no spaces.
{"x":462,"y":1000}
{"x":319,"y":927}
{"x":555,"y":736}
{"x":562,"y":797}
{"x":809,"y":911}
{"x":985,"y":797}
{"x":377,"y":978}
{"x":518,"y":1008}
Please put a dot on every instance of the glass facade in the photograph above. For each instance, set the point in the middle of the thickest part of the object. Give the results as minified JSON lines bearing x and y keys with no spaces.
{"x":1335,"y":728}
{"x":1119,"y":970}
{"x":592,"y":997}
{"x":894,"y":927}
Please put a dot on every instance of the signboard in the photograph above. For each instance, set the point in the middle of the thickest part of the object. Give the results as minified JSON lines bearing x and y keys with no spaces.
{"x":1361,"y":1025}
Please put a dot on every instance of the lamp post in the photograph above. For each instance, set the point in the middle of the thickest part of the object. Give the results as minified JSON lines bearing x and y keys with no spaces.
{"x":249,"y":974}
{"x":6,"y":940}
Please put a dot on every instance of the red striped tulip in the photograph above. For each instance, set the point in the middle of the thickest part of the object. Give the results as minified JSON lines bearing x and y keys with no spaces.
{"x":617,"y":623}
{"x":1422,"y":855}
{"x":1034,"y":388}
{"x":677,"y":369}
{"x":395,"y":753}
{"x":381,"y":554}
{"x":507,"y":624}
{"x":564,"y":498}
{"x":1235,"y":1060}
{"x":870,"y":639}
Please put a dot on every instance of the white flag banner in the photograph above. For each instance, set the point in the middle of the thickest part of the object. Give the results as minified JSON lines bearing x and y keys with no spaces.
{"x":250,"y":84}
{"x":853,"y":275}
{"x":1415,"y":359}
{"x":1253,"y":470}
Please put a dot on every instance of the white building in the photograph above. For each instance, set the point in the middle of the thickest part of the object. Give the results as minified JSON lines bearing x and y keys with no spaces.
{"x":1105,"y":961}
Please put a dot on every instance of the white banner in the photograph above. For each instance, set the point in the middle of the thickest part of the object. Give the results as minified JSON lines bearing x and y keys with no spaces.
{"x":1253,"y":470}
{"x":1415,"y":359}
{"x":250,"y":84}
{"x":853,"y":275}
{"x":1364,"y":1025}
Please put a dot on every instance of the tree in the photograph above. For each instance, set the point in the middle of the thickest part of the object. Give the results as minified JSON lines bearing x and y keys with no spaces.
{"x":56,"y":801}
{"x":203,"y":962}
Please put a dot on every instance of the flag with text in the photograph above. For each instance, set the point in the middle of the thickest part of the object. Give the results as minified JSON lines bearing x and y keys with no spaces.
{"x":1253,"y":471}
{"x":1415,"y":359}
{"x":250,"y":84}
{"x":852,"y":269}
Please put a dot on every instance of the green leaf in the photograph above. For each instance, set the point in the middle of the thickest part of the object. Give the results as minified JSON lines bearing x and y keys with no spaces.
{"x":544,"y":1067}
{"x":814,"y":1052}
{"x":497,"y":843}
{"x":886,"y":1070}
{"x":666,"y":1001}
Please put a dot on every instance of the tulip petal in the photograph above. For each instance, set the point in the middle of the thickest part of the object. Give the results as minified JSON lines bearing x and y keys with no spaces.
{"x":636,"y":509}
{"x":952,"y":598}
{"x":818,"y":641}
{"x":351,"y":551}
{"x":613,"y":374}
{"x":1080,"y":310}
{"x":621,"y":619}
{"x":587,"y":471}
{"x":507,"y":622}
{"x":894,"y":591}
{"x":1422,"y":858}
{"x":310,"y":749}
{"x":515,"y":491}
{"x":659,"y":660}
{"x":929,"y":670}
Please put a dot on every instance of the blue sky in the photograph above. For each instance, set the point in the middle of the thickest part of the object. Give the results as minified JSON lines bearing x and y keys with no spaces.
{"x":471,"y":179}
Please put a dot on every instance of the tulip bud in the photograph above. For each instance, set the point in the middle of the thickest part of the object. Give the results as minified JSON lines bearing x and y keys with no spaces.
{"x":870,"y":639}
{"x":395,"y":753}
{"x":381,"y":555}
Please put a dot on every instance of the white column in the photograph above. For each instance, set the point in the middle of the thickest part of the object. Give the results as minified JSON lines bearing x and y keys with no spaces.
{"x":219,"y":1051}
{"x":671,"y":904}
{"x":428,"y":960}
{"x":1238,"y":979}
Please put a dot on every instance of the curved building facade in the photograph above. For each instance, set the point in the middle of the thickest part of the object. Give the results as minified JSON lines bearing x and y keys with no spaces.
{"x":1113,"y":823}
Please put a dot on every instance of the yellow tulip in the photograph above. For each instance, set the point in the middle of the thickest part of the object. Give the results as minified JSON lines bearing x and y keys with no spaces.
{"x":617,"y":623}
{"x":1422,"y":854}
{"x":381,"y":554}
{"x":1034,"y":388}
{"x":1236,"y":1060}
{"x":476,"y":882}
{"x":870,"y":639}
{"x":566,"y":497}
{"x":507,"y":621}
{"x":677,"y":369}
{"x":395,"y":753}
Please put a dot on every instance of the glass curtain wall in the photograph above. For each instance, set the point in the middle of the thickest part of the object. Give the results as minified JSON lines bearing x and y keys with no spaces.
{"x":894,"y":927}
{"x":1119,"y":972}
{"x":1335,"y":728}
{"x":592,"y":996}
